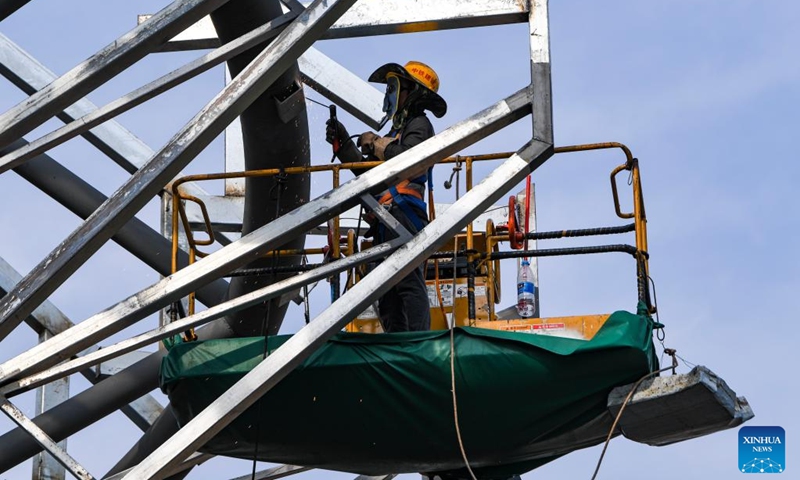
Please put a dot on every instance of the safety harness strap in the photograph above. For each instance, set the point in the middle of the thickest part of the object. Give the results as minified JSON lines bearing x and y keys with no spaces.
{"x":405,"y":203}
{"x":406,"y":188}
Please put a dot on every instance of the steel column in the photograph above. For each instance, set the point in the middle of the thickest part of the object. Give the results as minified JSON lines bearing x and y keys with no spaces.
{"x":406,"y":165}
{"x":291,"y":354}
{"x":146,"y":182}
{"x":541,"y":84}
{"x":45,"y":467}
{"x":101,"y":67}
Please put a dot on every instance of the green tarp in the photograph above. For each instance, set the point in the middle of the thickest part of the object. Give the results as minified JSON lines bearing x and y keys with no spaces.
{"x":382,"y":403}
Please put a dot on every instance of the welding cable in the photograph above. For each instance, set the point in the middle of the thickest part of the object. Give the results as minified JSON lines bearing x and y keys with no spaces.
{"x":453,"y":376}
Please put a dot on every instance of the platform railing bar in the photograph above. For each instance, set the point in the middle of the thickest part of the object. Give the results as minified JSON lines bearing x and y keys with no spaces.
{"x":557,"y":252}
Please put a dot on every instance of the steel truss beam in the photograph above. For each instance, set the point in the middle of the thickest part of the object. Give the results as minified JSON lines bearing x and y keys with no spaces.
{"x":22,"y":70}
{"x":219,"y":311}
{"x":407,"y":165}
{"x":166,"y":459}
{"x":44,"y":440}
{"x":102,"y":66}
{"x":330,"y":79}
{"x":146,"y":182}
{"x":147,"y":92}
{"x":342,"y":87}
{"x":47,"y":318}
{"x":291,"y":354}
{"x":386,"y":17}
{"x":541,"y":82}
{"x":191,"y":462}
{"x":136,"y":237}
{"x":119,"y":144}
{"x":275,"y":472}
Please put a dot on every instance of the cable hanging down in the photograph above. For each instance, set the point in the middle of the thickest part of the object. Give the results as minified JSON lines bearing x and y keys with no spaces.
{"x":669,"y":351}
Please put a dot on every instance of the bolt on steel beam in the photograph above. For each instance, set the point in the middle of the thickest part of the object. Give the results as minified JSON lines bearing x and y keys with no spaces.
{"x":291,"y":354}
{"x":406,"y":165}
{"x":185,"y":145}
{"x":102,"y":66}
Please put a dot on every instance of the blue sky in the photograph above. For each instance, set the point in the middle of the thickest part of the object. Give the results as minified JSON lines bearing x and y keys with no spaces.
{"x":704,"y":93}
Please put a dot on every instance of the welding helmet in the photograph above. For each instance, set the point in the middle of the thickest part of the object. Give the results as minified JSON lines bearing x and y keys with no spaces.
{"x":425,"y":83}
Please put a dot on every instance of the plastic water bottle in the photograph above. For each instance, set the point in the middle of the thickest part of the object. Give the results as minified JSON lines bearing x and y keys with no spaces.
{"x":526,"y":291}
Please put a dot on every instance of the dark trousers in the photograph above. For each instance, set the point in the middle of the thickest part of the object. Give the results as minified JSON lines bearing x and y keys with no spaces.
{"x":405,"y":307}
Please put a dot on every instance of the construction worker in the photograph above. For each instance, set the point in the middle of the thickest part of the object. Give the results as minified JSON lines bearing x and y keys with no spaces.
{"x":410,"y":90}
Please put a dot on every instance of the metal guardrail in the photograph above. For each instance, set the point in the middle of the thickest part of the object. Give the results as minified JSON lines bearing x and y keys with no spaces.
{"x":488,"y":259}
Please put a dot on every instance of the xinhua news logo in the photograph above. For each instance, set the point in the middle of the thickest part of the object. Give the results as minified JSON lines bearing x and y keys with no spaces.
{"x":762,"y":450}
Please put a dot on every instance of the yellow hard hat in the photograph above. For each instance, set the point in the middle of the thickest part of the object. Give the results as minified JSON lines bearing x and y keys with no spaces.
{"x":421,"y":74}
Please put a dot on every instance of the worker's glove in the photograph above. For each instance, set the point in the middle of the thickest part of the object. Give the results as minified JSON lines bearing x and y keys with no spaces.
{"x":379,"y":146}
{"x":348,"y":152}
{"x":366,"y":141}
{"x":335,"y":130}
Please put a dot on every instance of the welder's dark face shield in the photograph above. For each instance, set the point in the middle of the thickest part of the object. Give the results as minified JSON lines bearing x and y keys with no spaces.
{"x":392,"y":97}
